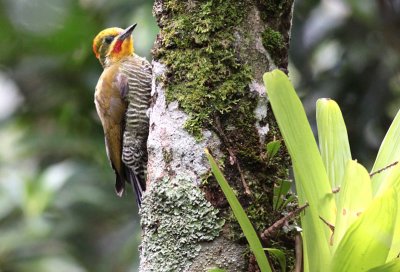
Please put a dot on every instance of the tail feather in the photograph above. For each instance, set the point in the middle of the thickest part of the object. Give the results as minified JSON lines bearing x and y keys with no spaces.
{"x":137,"y":186}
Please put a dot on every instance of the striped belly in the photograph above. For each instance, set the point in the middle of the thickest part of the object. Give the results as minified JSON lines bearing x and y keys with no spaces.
{"x":134,"y":152}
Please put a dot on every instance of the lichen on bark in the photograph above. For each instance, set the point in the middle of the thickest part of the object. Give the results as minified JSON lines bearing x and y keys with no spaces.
{"x":176,"y":218}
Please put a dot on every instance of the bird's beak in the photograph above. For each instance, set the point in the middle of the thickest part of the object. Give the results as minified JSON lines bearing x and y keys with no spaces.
{"x":126,"y":33}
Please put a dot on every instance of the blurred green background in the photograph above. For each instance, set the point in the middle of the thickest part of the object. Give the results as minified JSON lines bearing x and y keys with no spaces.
{"x":349,"y":50}
{"x":58,"y":209}
{"x":57,"y":205}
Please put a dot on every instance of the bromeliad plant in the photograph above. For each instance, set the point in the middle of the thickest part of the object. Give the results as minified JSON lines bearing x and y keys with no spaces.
{"x":352,"y":222}
{"x":352,"y":219}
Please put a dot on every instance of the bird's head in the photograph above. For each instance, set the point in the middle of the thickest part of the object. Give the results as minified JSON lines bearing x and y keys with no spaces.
{"x":112,"y":44}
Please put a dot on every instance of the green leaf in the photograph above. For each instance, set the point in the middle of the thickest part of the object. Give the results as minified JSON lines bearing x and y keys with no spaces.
{"x":333,"y":141}
{"x":281,"y":188}
{"x":273,"y":148}
{"x":367,"y":242}
{"x":393,"y":266}
{"x":312,"y":182}
{"x":354,"y":197}
{"x":393,"y":181}
{"x":280,"y":256}
{"x":389,"y":152}
{"x":244,"y":222}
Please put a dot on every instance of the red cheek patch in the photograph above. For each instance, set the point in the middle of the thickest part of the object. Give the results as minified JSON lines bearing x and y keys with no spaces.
{"x":117,"y":46}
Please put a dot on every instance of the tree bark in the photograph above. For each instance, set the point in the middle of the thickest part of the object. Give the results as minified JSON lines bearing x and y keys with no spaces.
{"x":209,"y":59}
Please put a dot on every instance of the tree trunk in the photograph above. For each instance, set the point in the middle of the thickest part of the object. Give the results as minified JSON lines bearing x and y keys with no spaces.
{"x":208,"y":64}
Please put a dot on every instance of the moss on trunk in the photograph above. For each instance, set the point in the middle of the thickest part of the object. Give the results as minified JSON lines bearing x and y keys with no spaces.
{"x":205,"y":74}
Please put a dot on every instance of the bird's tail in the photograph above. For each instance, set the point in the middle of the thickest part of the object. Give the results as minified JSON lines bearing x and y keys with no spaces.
{"x":137,"y":185}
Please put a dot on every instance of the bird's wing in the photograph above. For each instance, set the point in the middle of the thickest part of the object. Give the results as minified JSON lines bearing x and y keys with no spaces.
{"x":123,"y":85}
{"x":119,"y":180}
{"x":111,"y":109}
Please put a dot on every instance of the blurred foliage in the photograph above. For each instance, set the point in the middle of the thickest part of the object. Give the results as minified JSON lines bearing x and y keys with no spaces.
{"x":58,"y":208}
{"x":349,"y":50}
{"x":57,"y":205}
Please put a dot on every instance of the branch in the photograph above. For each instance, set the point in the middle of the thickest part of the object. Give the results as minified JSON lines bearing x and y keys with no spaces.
{"x":331,"y":227}
{"x":298,"y":267}
{"x":272,"y":230}
{"x":383,"y":169}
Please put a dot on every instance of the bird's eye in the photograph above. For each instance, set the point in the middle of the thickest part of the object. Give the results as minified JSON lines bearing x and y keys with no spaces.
{"x":108,"y":39}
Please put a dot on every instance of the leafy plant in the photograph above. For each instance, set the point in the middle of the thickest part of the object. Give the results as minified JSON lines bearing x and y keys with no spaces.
{"x":272,"y":148}
{"x":244,"y":222}
{"x":279,"y":256}
{"x":352,"y":223}
{"x":281,"y":194}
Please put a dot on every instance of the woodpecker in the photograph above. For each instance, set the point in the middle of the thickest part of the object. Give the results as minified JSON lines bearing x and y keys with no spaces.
{"x":122,"y":98}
